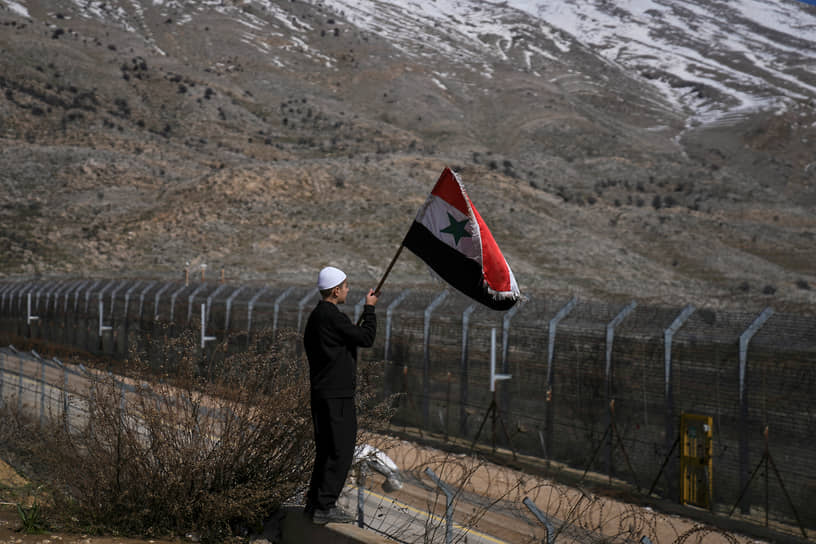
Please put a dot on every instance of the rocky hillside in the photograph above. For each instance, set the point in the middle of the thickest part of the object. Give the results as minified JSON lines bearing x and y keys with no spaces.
{"x":270,"y":138}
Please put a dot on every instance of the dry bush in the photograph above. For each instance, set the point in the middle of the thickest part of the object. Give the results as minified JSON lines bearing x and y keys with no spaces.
{"x":211,"y":442}
{"x":211,"y":452}
{"x":373,"y":411}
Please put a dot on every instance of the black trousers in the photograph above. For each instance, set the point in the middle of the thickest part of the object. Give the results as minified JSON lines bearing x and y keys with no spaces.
{"x":335,"y":431}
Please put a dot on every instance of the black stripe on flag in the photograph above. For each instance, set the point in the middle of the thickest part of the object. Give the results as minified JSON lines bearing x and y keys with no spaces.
{"x":452,"y":266}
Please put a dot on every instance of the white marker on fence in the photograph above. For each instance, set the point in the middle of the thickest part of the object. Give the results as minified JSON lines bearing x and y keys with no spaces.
{"x":493,"y":376}
{"x":29,"y":317}
{"x":204,"y":337}
{"x":102,"y":327}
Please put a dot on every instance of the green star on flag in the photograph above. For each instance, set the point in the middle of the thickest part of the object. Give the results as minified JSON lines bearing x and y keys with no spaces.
{"x":457,"y":229}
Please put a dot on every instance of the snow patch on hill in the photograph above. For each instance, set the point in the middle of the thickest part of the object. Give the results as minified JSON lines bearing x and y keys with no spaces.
{"x":711,"y":59}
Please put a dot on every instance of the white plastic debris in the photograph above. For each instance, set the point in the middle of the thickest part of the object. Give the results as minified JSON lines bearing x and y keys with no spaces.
{"x":379,"y":461}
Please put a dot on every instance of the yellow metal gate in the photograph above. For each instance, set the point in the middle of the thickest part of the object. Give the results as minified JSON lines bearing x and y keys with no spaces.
{"x":696,"y":482}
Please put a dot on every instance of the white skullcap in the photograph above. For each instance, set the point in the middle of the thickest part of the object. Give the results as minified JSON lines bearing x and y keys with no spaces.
{"x":330,"y":277}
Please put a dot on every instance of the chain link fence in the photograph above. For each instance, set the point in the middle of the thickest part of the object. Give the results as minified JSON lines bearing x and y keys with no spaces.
{"x":430,"y":496}
{"x":595,"y":386}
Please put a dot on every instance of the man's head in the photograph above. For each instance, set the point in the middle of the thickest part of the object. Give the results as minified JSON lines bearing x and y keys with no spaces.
{"x":332,"y":284}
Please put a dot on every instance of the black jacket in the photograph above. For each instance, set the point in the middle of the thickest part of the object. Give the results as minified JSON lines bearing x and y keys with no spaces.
{"x":331,"y":342}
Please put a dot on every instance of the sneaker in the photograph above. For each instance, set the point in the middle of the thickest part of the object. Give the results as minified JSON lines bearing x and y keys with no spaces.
{"x":334,"y":515}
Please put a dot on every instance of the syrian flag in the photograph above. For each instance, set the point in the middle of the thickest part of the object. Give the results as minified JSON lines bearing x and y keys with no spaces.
{"x":451,"y":237}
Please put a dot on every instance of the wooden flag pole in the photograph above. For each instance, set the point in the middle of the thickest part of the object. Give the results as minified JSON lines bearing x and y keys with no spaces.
{"x":385,"y":275}
{"x":388,"y":270}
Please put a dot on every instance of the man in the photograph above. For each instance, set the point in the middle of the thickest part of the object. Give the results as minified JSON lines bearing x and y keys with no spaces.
{"x":331,"y":341}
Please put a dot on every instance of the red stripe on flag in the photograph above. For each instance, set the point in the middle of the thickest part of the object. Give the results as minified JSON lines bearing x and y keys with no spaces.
{"x":496,"y":271}
{"x":448,"y":189}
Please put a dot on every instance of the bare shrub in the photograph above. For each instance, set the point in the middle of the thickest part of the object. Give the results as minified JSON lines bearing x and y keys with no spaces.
{"x":210,"y":442}
{"x":210,"y":445}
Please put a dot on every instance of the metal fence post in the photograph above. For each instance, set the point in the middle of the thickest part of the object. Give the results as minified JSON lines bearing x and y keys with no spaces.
{"x":553,"y":327}
{"x":29,"y":317}
{"x":212,"y":296}
{"x":113,"y":295}
{"x":495,"y":376}
{"x":39,"y":292}
{"x":204,"y":337}
{"x":276,"y":308}
{"x":551,"y":332}
{"x":127,"y":297}
{"x":65,"y":293}
{"x":57,"y":287}
{"x":65,"y":403}
{"x":8,"y":289}
{"x":5,"y":288}
{"x":100,"y":294}
{"x":173,"y":297}
{"x":39,"y":289}
{"x":668,"y":335}
{"x":229,"y":306}
{"x":2,"y":378}
{"x":12,"y":289}
{"x":42,"y":387}
{"x":426,"y":359}
{"x":91,"y":400}
{"x":122,"y":402}
{"x":610,"y":337}
{"x":362,"y":470}
{"x":74,"y":291}
{"x":20,"y":384}
{"x":252,"y":304}
{"x":147,"y":288}
{"x":26,"y":289}
{"x":156,"y":299}
{"x":102,"y":326}
{"x":508,"y":316}
{"x":463,"y":370}
{"x":744,"y":469}
{"x":16,"y":288}
{"x":310,"y":295}
{"x":449,"y":495}
{"x":36,"y":289}
{"x":545,"y":521}
{"x":358,"y":308}
{"x":389,"y":314}
{"x":88,"y":292}
{"x":190,"y":300}
{"x":668,"y":395}
{"x":15,"y":295}
{"x":19,"y":297}
{"x":58,"y":292}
